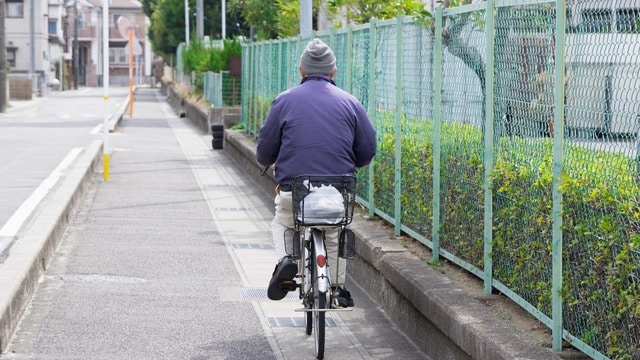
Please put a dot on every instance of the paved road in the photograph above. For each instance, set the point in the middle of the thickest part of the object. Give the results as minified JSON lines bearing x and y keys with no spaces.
{"x":39,"y":139}
{"x":170,"y":259}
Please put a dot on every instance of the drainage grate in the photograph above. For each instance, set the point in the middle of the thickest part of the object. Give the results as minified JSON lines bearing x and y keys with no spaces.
{"x":295,"y":321}
{"x":261,"y":293}
{"x":253,"y":246}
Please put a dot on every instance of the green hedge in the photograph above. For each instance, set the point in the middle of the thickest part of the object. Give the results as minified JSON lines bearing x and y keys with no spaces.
{"x":601,"y":220}
{"x":601,"y":236}
{"x":199,"y":58}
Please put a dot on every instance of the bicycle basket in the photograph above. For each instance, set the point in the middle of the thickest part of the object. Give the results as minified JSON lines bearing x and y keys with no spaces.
{"x":323,"y":200}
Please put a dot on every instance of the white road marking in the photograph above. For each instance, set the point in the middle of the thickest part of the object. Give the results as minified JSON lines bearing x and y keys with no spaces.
{"x":13,"y":225}
{"x":96,"y":130}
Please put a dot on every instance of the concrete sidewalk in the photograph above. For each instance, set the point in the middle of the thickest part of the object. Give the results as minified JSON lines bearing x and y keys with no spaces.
{"x":169,"y":259}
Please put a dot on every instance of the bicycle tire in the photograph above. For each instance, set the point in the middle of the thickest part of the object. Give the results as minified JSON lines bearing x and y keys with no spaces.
{"x":319,"y":303}
{"x":309,"y":322}
{"x":309,"y":305}
{"x":319,"y":323}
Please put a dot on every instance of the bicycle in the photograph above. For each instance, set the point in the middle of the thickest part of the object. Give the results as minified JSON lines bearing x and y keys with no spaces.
{"x":320,"y":202}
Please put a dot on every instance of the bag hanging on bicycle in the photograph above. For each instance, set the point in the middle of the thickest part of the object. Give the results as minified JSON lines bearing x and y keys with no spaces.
{"x":323,"y":200}
{"x":347,"y":244}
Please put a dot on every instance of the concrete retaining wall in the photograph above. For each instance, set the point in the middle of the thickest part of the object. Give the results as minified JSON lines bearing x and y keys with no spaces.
{"x":201,"y":117}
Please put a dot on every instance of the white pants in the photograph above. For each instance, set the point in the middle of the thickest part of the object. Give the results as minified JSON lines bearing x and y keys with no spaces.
{"x":283,"y":220}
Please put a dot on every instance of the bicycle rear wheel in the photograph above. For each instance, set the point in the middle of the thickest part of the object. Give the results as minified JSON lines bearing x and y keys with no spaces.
{"x":308,"y":303}
{"x":319,"y":303}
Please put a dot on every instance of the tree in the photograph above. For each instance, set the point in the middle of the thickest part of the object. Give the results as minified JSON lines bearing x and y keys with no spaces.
{"x":531,"y":21}
{"x":148,"y":7}
{"x":362,"y":11}
{"x":281,"y":18}
{"x":167,"y":28}
{"x":258,"y":14}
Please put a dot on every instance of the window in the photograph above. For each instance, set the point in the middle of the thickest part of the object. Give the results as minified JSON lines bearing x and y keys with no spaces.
{"x":628,"y":21}
{"x":53,"y":26}
{"x":11,"y":57}
{"x":15,"y":9}
{"x":596,"y":21}
{"x":118,"y":56}
{"x":81,"y":20}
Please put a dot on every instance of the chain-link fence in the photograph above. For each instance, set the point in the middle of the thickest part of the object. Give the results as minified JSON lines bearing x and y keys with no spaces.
{"x":222,"y":89}
{"x":507,"y":143}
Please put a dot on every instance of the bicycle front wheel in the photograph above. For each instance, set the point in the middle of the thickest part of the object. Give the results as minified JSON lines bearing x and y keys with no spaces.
{"x":309,"y":322}
{"x":319,"y":303}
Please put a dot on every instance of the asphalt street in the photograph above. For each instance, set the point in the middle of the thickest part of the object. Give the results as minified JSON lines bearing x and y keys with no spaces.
{"x":170,"y":259}
{"x":39,"y":140}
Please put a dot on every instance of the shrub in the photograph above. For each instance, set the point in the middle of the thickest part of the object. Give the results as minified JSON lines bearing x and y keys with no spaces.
{"x":600,"y":229}
{"x":200,"y":58}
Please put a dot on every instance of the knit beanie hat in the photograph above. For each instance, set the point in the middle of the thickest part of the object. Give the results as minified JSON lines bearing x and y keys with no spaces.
{"x":317,"y":58}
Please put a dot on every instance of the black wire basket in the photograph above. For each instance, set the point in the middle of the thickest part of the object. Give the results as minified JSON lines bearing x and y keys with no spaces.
{"x":323,"y":200}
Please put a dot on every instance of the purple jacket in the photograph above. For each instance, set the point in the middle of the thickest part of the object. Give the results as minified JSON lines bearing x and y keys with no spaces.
{"x":315,"y":128}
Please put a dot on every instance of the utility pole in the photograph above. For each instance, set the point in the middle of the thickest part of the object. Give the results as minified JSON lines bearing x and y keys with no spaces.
{"x":3,"y":61}
{"x":105,"y":84}
{"x":200,"y":18}
{"x":306,"y":14}
{"x":76,"y":60}
{"x":224,"y":19}
{"x":186,"y":21}
{"x":32,"y":41}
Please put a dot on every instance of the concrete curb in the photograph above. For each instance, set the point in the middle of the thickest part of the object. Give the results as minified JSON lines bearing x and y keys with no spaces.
{"x":31,"y":254}
{"x":437,"y":315}
{"x":115,"y":119}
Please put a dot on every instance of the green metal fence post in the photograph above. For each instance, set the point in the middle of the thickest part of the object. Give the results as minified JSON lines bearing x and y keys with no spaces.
{"x":279,"y":82}
{"x":372,"y":105}
{"x":437,"y":115}
{"x":261,"y":59}
{"x":349,"y":69}
{"x":271,"y":70}
{"x":332,"y":39}
{"x":488,"y":146}
{"x":251,"y":100}
{"x":243,"y":81}
{"x":558,"y":162}
{"x":398,"y":129}
{"x":287,"y":77}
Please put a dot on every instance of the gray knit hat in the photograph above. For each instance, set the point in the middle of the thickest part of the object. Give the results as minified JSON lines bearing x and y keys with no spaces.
{"x":317,"y":58}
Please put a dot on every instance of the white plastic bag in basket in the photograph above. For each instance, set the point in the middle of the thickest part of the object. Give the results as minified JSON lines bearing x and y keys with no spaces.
{"x":323,"y":205}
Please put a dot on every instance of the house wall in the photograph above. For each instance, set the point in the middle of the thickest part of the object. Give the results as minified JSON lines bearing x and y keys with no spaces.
{"x":18,"y":36}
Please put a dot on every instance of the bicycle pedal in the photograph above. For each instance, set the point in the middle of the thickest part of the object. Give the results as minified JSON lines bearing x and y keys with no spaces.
{"x":289,"y":285}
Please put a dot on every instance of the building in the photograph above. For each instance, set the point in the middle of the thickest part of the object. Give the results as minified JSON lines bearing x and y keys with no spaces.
{"x":34,"y":42}
{"x":42,"y":37}
{"x":86,"y":17}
